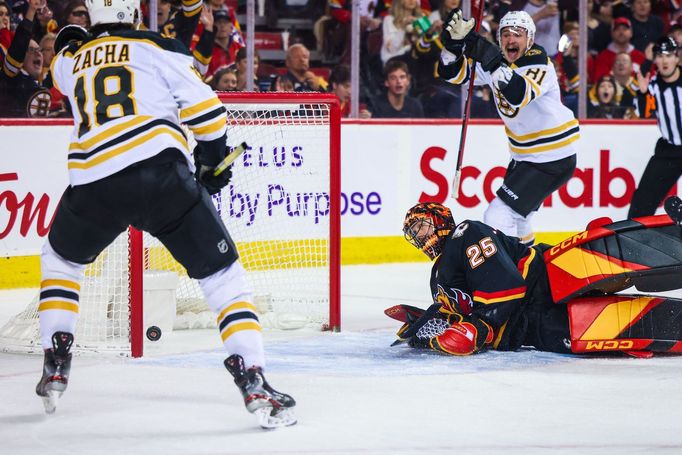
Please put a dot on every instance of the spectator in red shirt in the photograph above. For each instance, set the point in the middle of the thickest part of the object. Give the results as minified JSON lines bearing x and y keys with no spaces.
{"x":227,"y":41}
{"x":5,"y":32}
{"x":621,"y":35}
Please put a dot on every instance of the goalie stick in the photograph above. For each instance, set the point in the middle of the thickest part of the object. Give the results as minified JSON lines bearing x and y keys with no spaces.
{"x":480,"y":5}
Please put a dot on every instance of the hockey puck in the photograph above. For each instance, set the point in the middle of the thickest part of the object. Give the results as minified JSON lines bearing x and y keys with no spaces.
{"x":153,"y":333}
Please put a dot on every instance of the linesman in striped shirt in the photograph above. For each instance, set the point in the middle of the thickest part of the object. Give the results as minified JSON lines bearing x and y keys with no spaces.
{"x":129,"y":164}
{"x":665,"y":166}
{"x":542,"y":133}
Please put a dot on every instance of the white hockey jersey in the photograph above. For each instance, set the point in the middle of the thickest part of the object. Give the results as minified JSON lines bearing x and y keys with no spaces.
{"x":129,"y":91}
{"x":539,"y":129}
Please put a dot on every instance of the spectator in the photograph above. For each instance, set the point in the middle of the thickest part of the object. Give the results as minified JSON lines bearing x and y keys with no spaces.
{"x":675,"y":31}
{"x":567,"y":67}
{"x":298,"y":70}
{"x":545,"y":14}
{"x":395,"y":103}
{"x":598,"y":32}
{"x":21,"y":94}
{"x":241,"y":69}
{"x":75,"y":12}
{"x":335,"y":36}
{"x":339,"y":84}
{"x":624,"y":75}
{"x":437,"y":16}
{"x":282,"y":84}
{"x":646,"y":27}
{"x":224,"y":79}
{"x":604,"y":100}
{"x":621,"y":35}
{"x":398,"y":32}
{"x":227,"y":41}
{"x":5,"y":31}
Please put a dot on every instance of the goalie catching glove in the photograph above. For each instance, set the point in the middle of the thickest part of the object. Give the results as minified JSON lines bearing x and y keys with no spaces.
{"x":443,"y":331}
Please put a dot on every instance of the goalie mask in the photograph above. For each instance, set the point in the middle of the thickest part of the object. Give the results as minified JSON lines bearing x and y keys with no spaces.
{"x":426,"y":227}
{"x":114,"y":11}
{"x":518,"y":20}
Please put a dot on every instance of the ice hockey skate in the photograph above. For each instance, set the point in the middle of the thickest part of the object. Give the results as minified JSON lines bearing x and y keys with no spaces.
{"x":56,"y":368}
{"x":272,"y":408}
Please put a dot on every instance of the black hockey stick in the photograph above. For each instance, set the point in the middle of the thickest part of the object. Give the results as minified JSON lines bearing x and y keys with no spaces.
{"x":467,"y":106}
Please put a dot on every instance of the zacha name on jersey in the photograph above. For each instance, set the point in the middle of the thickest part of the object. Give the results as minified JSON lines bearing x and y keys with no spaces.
{"x":101,"y":55}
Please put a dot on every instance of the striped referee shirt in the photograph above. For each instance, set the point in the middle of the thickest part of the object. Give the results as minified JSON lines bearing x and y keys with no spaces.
{"x":668,"y":97}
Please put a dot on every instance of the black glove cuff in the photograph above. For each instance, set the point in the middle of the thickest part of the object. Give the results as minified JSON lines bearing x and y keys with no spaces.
{"x":210,"y":153}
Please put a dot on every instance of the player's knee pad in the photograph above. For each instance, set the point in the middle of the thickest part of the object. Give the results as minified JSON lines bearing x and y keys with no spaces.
{"x":500,"y":216}
{"x":200,"y":242}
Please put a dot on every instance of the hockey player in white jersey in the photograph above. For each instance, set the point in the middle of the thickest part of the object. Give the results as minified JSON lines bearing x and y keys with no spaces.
{"x":129,"y":164}
{"x":541,"y":131}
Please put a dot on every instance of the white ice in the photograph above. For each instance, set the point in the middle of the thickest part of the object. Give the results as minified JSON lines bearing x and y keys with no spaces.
{"x":355,"y":394}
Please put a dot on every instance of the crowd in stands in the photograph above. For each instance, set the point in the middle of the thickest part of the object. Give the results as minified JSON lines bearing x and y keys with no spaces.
{"x":305,"y":45}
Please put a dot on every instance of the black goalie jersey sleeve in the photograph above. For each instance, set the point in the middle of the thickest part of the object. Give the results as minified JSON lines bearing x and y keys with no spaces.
{"x":489,"y":266}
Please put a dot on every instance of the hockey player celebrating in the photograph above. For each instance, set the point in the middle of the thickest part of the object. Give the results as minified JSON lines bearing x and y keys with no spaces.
{"x":129,"y":164}
{"x":541,"y":131}
{"x":490,"y":291}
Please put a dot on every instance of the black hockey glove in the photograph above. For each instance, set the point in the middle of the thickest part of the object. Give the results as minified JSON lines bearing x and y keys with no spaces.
{"x":69,"y":34}
{"x":206,"y":159}
{"x":213,"y":183}
{"x":484,"y":52}
{"x":455,"y":31}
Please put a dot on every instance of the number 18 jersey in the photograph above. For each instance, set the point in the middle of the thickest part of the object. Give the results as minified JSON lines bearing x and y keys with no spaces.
{"x":129,"y":91}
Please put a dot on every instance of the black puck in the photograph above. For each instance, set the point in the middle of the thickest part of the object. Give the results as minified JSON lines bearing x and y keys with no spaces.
{"x":153,"y":333}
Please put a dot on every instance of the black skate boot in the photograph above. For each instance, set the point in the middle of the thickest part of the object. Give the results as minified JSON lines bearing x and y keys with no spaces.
{"x":673,"y":207}
{"x":272,"y":408}
{"x":56,"y":368}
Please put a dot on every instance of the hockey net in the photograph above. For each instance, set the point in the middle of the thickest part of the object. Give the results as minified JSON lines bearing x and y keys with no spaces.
{"x":282,"y":210}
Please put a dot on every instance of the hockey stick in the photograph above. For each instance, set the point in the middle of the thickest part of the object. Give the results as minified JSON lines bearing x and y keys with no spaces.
{"x":467,"y":106}
{"x":229,"y":159}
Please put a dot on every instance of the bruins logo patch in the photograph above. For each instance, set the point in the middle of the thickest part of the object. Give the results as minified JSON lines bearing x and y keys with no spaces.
{"x":39,"y":104}
{"x":459,"y":230}
{"x":532,"y":52}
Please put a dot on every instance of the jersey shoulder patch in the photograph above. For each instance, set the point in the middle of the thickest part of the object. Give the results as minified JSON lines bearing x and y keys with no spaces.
{"x":165,"y":43}
{"x":536,"y":55}
{"x":459,"y":230}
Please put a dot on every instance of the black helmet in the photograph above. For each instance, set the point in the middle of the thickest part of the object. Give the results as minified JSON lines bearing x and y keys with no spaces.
{"x":665,"y":45}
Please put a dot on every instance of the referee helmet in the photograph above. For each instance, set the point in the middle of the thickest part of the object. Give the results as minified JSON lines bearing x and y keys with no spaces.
{"x":665,"y":45}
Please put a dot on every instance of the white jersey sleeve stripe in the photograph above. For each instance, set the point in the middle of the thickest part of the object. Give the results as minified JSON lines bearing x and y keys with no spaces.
{"x":199,"y":109}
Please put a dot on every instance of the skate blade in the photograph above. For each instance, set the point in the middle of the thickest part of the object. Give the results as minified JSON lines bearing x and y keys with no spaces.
{"x":270,"y":419}
{"x":50,"y":401}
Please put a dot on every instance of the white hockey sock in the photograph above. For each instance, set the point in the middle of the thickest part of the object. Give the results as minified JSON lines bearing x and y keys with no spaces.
{"x":502,"y":217}
{"x":229,"y":295}
{"x":59,"y":294}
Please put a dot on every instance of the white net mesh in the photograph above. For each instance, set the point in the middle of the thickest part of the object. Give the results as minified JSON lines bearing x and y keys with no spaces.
{"x":276,"y":209}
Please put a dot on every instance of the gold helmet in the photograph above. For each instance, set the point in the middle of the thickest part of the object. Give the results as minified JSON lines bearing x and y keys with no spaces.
{"x":426,"y":226}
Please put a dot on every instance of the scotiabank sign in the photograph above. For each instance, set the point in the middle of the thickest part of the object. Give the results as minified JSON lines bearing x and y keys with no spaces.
{"x":385,"y":169}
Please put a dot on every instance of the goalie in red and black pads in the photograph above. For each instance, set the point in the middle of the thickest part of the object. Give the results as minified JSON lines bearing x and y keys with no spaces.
{"x":490,"y":291}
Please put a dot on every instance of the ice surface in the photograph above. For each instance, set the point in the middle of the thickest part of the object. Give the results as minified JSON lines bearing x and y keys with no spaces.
{"x":356,"y":395}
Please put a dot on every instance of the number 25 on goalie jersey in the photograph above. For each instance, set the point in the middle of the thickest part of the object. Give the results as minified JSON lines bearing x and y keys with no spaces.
{"x":129,"y":91}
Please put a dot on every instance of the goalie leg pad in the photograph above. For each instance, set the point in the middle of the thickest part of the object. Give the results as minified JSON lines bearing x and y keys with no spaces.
{"x":626,"y":323}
